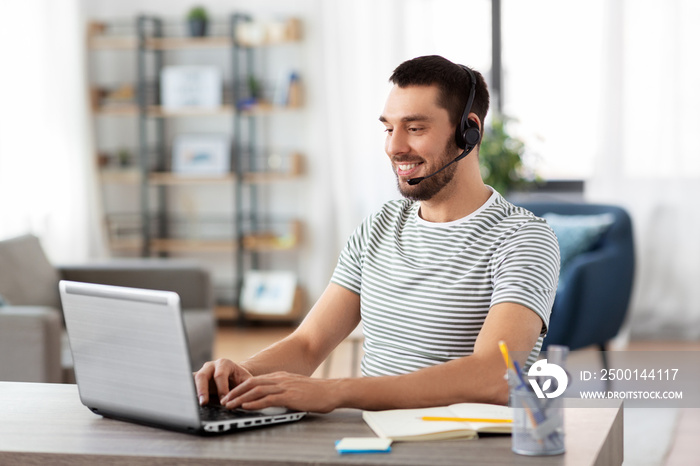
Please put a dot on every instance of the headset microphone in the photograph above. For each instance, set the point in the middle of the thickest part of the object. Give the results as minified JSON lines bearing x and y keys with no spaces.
{"x":415,"y":181}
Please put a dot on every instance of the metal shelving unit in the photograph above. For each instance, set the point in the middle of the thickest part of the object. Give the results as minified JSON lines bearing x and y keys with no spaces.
{"x":249,"y":232}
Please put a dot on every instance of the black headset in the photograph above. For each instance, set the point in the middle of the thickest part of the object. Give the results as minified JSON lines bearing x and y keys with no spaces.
{"x":467,"y":134}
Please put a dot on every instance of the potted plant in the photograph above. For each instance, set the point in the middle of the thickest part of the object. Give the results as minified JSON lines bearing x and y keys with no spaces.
{"x":501,"y":159}
{"x":197,"y":20}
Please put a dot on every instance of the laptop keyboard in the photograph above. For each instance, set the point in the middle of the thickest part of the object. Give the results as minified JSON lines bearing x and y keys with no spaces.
{"x":220,"y":413}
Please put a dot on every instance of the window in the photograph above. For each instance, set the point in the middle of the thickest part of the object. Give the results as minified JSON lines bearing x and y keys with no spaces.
{"x":552,"y":78}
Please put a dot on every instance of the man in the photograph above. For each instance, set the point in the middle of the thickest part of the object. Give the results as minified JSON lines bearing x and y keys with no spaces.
{"x":437,"y":279}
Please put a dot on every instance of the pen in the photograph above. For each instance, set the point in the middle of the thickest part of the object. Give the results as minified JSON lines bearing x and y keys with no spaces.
{"x":464,"y":419}
{"x":519,"y":375}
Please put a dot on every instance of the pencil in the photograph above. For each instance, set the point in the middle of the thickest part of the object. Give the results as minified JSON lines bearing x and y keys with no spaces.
{"x":464,"y":419}
{"x":506,"y":357}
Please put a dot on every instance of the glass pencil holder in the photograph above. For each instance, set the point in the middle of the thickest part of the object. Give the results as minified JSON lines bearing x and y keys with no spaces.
{"x":538,"y":424}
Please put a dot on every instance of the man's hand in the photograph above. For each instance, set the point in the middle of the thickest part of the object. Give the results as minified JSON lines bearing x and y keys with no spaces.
{"x":291,"y":391}
{"x":218,"y":378}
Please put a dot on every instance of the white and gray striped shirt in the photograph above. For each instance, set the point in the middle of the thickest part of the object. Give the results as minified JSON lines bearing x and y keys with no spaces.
{"x":425,"y":288}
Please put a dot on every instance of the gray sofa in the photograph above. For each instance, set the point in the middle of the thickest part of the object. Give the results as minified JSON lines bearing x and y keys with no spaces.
{"x":33,"y":345}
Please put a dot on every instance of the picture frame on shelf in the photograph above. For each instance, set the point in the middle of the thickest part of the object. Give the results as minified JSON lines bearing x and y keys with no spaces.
{"x":268,"y":292}
{"x":190,"y":87}
{"x":201,"y":155}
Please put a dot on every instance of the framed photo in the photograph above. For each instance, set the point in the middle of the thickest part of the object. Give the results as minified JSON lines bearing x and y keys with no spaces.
{"x":270,"y":293}
{"x":202,"y":154}
{"x":187,"y":87}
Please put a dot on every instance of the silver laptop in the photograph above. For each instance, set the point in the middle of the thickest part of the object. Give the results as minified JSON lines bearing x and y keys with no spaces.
{"x":132,"y":363}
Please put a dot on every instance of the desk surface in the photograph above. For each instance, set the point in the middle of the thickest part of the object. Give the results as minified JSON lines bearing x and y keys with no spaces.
{"x":47,"y":424}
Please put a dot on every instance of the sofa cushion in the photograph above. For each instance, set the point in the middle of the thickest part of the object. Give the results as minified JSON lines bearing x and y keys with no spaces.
{"x":26,"y":276}
{"x":577,"y":233}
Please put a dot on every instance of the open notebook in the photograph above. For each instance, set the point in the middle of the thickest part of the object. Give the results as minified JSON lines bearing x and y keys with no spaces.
{"x":409,"y":424}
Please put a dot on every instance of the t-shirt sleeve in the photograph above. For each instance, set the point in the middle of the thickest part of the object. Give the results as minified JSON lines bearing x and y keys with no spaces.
{"x":348,"y":271}
{"x":527,"y":270}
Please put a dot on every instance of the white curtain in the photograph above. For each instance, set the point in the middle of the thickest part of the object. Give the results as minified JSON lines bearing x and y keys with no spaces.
{"x":361,"y":47}
{"x":355,"y":47}
{"x":47,"y":180}
{"x":649,"y":156}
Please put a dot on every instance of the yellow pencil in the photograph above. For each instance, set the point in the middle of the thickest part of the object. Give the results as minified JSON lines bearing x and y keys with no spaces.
{"x":464,"y":419}
{"x":506,"y":356}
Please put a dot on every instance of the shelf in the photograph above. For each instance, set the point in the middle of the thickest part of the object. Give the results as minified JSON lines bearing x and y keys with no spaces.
{"x":181,"y":43}
{"x":130,"y":244}
{"x":120,"y":176}
{"x":293,"y":170}
{"x":133,"y":176}
{"x":120,"y":110}
{"x":100,"y":39}
{"x":156,"y":111}
{"x":259,"y":242}
{"x":99,"y":42}
{"x":264,"y":108}
{"x":177,"y":179}
{"x":192,"y":245}
{"x":173,"y":245}
{"x":173,"y":43}
{"x":270,"y":241}
{"x":252,"y":242}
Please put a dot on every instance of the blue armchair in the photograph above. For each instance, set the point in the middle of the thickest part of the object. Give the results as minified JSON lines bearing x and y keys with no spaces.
{"x":596,"y":285}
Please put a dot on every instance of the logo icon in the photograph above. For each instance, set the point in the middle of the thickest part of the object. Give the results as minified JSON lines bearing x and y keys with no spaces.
{"x":553,"y":372}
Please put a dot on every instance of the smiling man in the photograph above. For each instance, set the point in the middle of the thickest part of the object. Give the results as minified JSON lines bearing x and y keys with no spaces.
{"x":437,"y":279}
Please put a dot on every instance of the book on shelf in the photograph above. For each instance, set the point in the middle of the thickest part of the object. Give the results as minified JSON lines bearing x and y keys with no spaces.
{"x":430,"y":423}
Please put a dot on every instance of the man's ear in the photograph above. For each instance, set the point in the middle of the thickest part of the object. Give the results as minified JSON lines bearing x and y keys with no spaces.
{"x":475,"y":119}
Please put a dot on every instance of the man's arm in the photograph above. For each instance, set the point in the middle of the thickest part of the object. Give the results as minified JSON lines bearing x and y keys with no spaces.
{"x":474,"y":378}
{"x":333,"y":317}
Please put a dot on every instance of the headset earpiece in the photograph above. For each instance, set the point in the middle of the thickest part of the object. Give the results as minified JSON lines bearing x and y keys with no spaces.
{"x":467,"y":135}
{"x":472,"y":135}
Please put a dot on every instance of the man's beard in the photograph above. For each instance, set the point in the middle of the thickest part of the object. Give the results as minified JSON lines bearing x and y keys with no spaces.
{"x":429,"y":187}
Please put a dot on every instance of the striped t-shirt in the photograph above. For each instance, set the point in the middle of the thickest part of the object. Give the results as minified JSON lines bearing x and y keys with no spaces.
{"x":425,"y":288}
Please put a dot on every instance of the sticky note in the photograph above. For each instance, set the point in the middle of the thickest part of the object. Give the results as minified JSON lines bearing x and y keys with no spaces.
{"x":363,"y":445}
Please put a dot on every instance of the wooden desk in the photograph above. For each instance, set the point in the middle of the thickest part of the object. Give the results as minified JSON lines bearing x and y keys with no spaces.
{"x":46,"y":424}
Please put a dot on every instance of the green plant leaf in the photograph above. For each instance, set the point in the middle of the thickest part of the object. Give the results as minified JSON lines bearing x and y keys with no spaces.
{"x":198,"y":12}
{"x":501,"y":158}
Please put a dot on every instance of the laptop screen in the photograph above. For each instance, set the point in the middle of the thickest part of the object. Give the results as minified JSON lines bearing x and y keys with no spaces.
{"x":130,"y":353}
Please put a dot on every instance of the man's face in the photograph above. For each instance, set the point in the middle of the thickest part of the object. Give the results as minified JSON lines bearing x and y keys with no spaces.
{"x":419,"y":140}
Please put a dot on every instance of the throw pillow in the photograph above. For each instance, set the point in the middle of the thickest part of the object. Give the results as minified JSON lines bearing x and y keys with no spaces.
{"x":577,"y":233}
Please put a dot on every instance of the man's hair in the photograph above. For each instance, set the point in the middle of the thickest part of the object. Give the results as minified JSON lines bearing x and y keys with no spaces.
{"x":453,"y":82}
